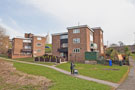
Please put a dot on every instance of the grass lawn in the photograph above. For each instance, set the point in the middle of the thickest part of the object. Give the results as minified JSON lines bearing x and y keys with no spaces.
{"x":4,"y":56}
{"x":32,"y":60}
{"x":60,"y":81}
{"x":98,"y":71}
{"x":133,"y":56}
{"x":48,"y":50}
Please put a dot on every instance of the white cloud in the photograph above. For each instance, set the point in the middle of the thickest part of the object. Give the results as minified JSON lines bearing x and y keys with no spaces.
{"x":11,"y":31}
{"x":116,"y":17}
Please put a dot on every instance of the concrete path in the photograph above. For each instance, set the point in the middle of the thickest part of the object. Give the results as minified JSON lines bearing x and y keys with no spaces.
{"x":115,"y":85}
{"x":129,"y":83}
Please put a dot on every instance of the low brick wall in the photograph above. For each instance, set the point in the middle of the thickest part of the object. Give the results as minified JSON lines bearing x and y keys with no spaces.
{"x":20,"y":56}
{"x":90,"y":62}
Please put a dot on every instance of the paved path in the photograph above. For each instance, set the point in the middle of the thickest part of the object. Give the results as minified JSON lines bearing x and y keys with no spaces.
{"x":129,"y":83}
{"x":115,"y":85}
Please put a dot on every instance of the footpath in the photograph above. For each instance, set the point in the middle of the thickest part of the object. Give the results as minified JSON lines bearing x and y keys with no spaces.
{"x":129,"y":83}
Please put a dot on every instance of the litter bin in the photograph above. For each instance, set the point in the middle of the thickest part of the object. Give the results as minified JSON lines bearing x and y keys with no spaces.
{"x":75,"y":71}
{"x":110,"y":62}
{"x":120,"y":63}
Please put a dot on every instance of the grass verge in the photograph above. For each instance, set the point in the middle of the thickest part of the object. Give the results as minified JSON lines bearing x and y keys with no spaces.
{"x":60,"y":81}
{"x":133,"y":56}
{"x":109,"y":73}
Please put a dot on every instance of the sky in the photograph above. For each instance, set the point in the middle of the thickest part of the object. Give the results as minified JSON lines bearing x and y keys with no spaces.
{"x":115,"y":17}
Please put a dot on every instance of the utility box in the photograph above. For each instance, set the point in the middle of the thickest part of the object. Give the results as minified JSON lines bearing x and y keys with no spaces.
{"x":91,"y":55}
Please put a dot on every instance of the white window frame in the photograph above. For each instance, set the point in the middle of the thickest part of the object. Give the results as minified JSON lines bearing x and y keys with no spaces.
{"x":76,"y":40}
{"x":91,"y":37}
{"x":76,"y":50}
{"x":76,"y":31}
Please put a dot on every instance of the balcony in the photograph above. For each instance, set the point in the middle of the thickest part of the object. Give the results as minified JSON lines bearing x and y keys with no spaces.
{"x":63,"y":49}
{"x":26,"y":50}
{"x":27,"y":41}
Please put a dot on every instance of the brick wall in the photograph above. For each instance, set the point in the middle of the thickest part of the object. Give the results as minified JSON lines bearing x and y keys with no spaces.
{"x":84,"y":44}
{"x":38,"y":50}
{"x":98,"y":39}
{"x":20,"y":56}
{"x":17,"y":45}
{"x":55,"y":45}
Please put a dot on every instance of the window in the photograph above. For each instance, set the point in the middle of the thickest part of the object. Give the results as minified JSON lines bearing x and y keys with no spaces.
{"x":76,"y":40}
{"x":76,"y":50}
{"x":91,"y":37}
{"x":39,"y":38}
{"x":38,"y":50}
{"x":76,"y":31}
{"x":27,"y":47}
{"x":64,"y":37}
{"x":61,"y":54}
{"x":38,"y":44}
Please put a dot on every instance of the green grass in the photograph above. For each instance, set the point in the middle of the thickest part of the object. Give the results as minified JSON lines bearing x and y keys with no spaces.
{"x":32,"y":60}
{"x":97,"y":71}
{"x":60,"y":81}
{"x":48,"y":50}
{"x":3,"y":55}
{"x":133,"y":56}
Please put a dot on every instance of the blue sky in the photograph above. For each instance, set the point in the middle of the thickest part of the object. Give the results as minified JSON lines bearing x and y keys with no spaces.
{"x":24,"y":18}
{"x":115,"y":17}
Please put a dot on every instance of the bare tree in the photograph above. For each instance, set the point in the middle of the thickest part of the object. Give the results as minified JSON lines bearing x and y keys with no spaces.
{"x":4,"y":41}
{"x":121,"y":43}
{"x":113,"y":45}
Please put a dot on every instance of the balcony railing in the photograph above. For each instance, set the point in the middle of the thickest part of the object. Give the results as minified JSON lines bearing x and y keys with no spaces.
{"x":26,"y":50}
{"x":63,"y":49}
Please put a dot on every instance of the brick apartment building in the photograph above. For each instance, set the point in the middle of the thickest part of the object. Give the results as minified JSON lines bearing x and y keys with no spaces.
{"x":78,"y":40}
{"x":29,"y":46}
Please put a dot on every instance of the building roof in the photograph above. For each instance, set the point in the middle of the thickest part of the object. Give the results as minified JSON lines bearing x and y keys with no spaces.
{"x":22,"y":38}
{"x":97,"y":28}
{"x":64,"y":33}
{"x":79,"y":26}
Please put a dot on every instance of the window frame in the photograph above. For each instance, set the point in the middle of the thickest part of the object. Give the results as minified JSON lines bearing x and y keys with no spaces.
{"x":76,"y":40}
{"x":76,"y":31}
{"x":76,"y":50}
